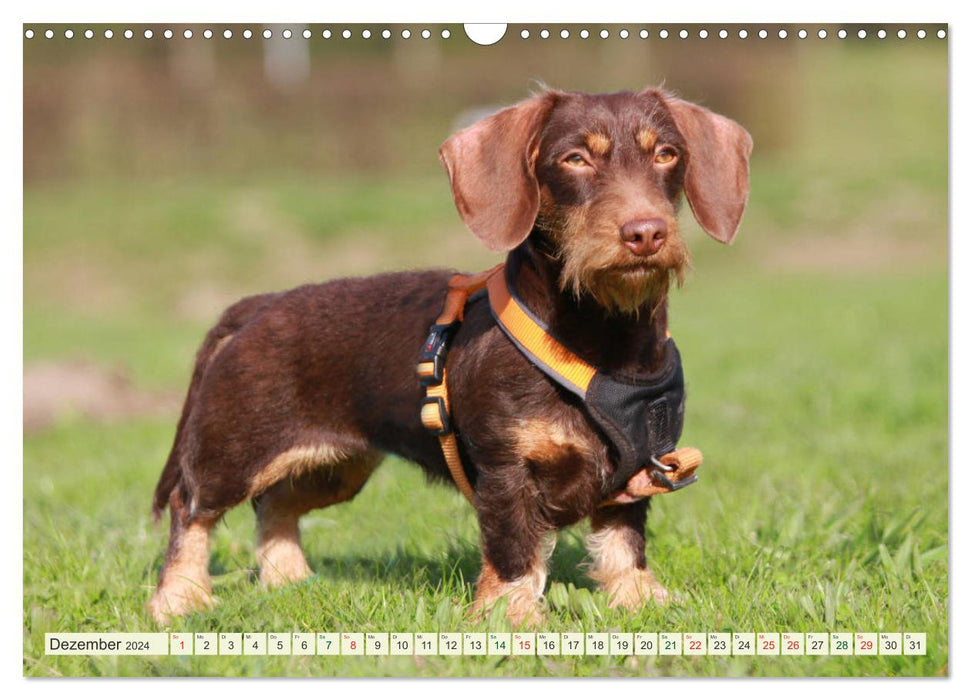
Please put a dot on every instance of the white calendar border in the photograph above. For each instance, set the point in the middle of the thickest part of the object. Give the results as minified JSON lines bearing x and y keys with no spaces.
{"x":507,"y":10}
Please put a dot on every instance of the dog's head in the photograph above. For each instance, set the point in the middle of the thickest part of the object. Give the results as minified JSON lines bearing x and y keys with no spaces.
{"x":597,"y":180}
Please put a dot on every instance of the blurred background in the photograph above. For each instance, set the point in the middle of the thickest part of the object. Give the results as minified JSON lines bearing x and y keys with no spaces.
{"x":166,"y":177}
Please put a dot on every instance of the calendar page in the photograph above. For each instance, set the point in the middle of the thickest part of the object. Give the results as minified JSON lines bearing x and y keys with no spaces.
{"x":349,"y":349}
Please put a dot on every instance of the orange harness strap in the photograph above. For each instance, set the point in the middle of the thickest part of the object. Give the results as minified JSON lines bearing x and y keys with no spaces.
{"x":450,"y":448}
{"x":435,"y":410}
{"x":534,"y":339}
{"x":542,"y":349}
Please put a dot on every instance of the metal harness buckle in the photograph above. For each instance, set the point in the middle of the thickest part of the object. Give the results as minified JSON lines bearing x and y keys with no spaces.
{"x":659,"y":473}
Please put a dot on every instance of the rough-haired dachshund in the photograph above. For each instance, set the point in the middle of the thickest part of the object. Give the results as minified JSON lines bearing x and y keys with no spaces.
{"x":297,"y":396}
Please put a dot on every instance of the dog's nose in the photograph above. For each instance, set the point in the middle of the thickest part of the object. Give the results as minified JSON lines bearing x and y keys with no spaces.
{"x":644,"y":236}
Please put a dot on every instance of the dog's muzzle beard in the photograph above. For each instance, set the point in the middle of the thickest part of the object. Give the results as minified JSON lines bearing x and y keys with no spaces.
{"x":593,"y":263}
{"x":617,"y":286}
{"x":624,"y":291}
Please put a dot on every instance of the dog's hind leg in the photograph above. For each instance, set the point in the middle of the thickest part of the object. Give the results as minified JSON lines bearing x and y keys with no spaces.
{"x":184,"y":584}
{"x":619,"y":563}
{"x":279,"y":508}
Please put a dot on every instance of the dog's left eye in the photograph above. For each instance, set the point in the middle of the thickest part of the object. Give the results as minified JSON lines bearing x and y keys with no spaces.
{"x":665,"y":156}
{"x":576,"y":160}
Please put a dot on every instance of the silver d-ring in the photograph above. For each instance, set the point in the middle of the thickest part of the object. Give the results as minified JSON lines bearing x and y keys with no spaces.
{"x":663,"y":467}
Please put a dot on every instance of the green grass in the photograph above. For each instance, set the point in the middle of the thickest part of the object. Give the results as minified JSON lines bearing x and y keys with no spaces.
{"x":820,"y":403}
{"x":815,"y":352}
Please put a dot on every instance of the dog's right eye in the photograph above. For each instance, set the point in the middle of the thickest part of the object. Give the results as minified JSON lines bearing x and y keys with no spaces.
{"x":576,"y":160}
{"x":665,"y":156}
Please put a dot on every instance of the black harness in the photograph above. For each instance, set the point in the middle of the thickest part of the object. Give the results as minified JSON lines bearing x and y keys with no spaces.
{"x":641,"y":416}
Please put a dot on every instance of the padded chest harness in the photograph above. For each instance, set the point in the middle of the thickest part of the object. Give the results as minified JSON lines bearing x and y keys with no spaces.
{"x":641,"y":416}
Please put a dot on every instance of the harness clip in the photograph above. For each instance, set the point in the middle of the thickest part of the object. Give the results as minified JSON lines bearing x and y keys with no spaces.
{"x":670,"y":472}
{"x":431,"y":363}
{"x":661,"y":470}
{"x":674,"y":485}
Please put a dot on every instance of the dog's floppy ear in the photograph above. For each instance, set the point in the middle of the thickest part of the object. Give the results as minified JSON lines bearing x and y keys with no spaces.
{"x":716,"y":175}
{"x":491,"y":167}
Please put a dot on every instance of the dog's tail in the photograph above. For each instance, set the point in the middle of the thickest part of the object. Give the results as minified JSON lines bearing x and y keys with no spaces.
{"x":234,"y":318}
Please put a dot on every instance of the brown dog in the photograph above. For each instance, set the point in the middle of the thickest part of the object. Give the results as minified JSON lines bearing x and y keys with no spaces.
{"x":296,"y":396}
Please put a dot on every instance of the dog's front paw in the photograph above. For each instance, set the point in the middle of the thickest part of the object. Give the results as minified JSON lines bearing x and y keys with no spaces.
{"x":519,"y":612}
{"x":634,"y":588}
{"x":525,"y":614}
{"x":523,"y":603}
{"x":523,"y":596}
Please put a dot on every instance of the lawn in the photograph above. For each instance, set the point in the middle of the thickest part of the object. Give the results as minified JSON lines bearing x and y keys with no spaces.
{"x":818,"y":394}
{"x":815,"y":352}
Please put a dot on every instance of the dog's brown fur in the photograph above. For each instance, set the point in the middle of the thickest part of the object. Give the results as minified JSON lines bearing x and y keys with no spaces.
{"x":297,"y":395}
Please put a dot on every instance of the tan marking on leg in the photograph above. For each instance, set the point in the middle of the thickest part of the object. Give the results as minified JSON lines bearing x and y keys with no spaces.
{"x":615,"y":568}
{"x":184,"y":584}
{"x":540,"y":438}
{"x":598,"y":143}
{"x":647,"y":138}
{"x":293,"y":463}
{"x":523,"y":595}
{"x":278,"y":549}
